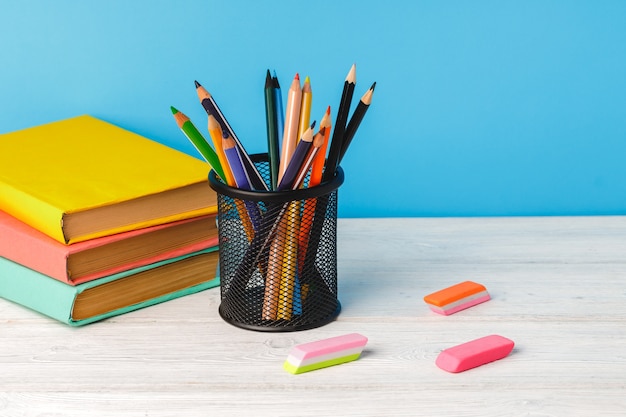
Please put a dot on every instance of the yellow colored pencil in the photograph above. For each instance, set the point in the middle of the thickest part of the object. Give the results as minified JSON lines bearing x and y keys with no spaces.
{"x":289,"y":262}
{"x":305,"y":107}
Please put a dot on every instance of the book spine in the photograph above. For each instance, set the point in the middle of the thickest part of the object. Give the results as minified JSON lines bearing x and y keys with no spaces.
{"x":36,"y":291}
{"x":38,"y":214}
{"x":32,"y":249}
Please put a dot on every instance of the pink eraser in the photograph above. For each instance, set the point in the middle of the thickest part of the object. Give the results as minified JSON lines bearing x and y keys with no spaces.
{"x":457,"y":297}
{"x":475,"y":353}
{"x":323,"y":353}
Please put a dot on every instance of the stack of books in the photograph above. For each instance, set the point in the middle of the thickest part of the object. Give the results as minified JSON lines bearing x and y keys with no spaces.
{"x":97,"y":221}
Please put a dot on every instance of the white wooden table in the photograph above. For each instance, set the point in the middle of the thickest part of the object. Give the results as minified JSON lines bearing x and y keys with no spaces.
{"x":558,"y":288}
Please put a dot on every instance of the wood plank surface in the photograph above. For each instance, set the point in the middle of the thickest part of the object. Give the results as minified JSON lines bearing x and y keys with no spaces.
{"x":558,"y":287}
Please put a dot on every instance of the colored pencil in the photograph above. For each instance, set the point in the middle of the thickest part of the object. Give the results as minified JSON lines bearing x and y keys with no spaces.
{"x":290,"y":133}
{"x":305,"y":107}
{"x":298,"y":157}
{"x":211,"y":107}
{"x":241,"y":179}
{"x":309,"y":205}
{"x":274,"y":272}
{"x":215,"y":130}
{"x":287,"y":297}
{"x":278,"y":103}
{"x":291,"y":291}
{"x":316,"y":145}
{"x":273,"y":154}
{"x":235,"y":162}
{"x":198,"y":141}
{"x":289,"y":300}
{"x":317,"y":168}
{"x":356,"y":119}
{"x":340,"y":125}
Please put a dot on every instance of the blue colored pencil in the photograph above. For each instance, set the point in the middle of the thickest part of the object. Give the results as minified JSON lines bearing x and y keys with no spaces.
{"x":241,"y":179}
{"x":278,"y":102}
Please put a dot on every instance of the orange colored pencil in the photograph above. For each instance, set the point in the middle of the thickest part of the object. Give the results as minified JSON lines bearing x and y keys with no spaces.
{"x":308,"y":212}
{"x":216,"y":133}
{"x":320,"y":159}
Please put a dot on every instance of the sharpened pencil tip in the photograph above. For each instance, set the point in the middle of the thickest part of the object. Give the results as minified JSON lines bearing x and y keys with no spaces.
{"x":351,"y":77}
{"x":197,"y":84}
{"x":297,"y":77}
{"x":173,"y":109}
{"x":328,"y":110}
{"x":373,"y":86}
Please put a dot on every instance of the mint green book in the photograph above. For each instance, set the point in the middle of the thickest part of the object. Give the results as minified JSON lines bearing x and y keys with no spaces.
{"x":112,"y":295}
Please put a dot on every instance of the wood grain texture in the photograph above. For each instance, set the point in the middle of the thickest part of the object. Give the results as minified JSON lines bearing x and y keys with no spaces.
{"x":558,"y":288}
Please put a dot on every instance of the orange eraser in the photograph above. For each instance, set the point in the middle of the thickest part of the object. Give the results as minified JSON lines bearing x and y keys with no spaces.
{"x":457,"y":297}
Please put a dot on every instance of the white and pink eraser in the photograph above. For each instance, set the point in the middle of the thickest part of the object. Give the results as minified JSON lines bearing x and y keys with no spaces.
{"x":323,"y":353}
{"x":457,"y":297}
{"x":475,"y":353}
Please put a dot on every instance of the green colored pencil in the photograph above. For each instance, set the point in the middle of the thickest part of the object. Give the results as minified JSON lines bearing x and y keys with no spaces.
{"x":198,"y":141}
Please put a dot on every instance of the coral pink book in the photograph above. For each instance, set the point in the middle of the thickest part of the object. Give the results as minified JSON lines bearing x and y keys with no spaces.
{"x":91,"y":259}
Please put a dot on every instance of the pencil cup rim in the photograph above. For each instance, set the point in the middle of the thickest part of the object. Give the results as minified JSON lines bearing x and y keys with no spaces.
{"x":322,"y":189}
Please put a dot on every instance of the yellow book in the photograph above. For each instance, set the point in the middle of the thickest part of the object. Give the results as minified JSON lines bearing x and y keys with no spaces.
{"x":82,"y":178}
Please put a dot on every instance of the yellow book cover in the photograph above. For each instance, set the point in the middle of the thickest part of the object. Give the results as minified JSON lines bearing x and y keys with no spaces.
{"x":82,"y":178}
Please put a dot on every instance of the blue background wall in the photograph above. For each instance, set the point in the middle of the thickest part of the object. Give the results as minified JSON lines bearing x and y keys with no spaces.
{"x":481,"y":107}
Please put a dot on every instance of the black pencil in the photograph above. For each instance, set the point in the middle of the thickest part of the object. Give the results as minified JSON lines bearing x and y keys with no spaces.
{"x":210,"y":106}
{"x":340,"y":125}
{"x":272,"y":130}
{"x":356,"y":119}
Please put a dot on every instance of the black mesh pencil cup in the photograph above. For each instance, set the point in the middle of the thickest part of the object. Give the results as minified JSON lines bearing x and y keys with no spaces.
{"x":278,"y":254}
